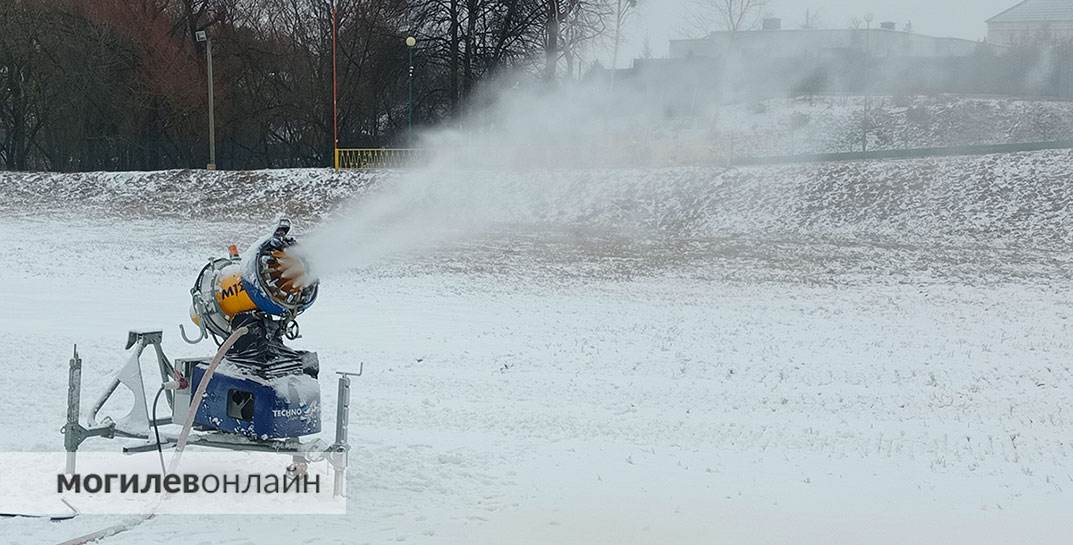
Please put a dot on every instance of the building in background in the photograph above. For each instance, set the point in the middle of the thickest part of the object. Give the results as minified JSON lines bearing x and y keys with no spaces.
{"x":773,"y":42}
{"x":773,"y":61}
{"x":776,"y":62}
{"x":1033,"y":22}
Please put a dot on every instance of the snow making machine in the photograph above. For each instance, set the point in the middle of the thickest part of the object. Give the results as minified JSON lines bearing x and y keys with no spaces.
{"x":256,"y":394}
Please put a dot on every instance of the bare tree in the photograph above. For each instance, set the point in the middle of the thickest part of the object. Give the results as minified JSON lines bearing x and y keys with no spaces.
{"x":734,"y":15}
{"x":587,"y":22}
{"x":623,"y":9}
{"x":568,"y":27}
{"x":813,"y":19}
{"x":453,"y":17}
{"x":120,"y":84}
{"x":555,"y":15}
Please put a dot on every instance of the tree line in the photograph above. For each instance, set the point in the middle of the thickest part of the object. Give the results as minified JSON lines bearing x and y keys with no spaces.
{"x":122,"y":84}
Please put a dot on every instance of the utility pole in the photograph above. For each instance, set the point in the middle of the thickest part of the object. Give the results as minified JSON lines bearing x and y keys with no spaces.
{"x":335,"y":89}
{"x":203,"y":36}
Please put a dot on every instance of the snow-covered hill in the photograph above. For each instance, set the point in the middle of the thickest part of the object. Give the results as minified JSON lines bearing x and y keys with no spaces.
{"x":993,"y":200}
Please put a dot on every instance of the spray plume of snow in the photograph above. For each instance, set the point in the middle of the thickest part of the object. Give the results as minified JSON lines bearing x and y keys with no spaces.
{"x":513,"y":160}
{"x":525,"y":155}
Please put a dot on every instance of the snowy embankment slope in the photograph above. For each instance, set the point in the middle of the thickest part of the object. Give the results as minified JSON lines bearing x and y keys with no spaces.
{"x":181,"y":194}
{"x":825,"y":124}
{"x":1021,"y":199}
{"x":843,"y":353}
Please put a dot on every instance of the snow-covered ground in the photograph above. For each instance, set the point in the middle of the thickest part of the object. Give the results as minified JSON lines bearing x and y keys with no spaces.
{"x":826,"y":124}
{"x":860,"y":353}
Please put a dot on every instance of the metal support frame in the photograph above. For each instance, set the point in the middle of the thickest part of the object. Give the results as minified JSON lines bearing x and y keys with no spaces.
{"x":338,"y":452}
{"x":75,"y":433}
{"x":155,"y":338}
{"x":139,"y":341}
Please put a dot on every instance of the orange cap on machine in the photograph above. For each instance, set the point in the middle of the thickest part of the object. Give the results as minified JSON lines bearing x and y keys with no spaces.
{"x":232,"y":250}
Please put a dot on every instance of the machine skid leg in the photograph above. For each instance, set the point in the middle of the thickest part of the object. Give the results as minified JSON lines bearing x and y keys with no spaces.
{"x":338,"y":452}
{"x":73,"y":432}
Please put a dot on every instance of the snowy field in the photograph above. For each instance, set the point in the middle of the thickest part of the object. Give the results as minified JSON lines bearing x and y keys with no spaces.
{"x":785,"y":357}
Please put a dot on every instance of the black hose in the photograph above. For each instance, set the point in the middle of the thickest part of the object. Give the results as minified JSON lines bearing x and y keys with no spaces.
{"x":156,"y":430}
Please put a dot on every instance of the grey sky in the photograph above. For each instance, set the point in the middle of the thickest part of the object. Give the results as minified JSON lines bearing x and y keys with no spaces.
{"x":662,"y":20}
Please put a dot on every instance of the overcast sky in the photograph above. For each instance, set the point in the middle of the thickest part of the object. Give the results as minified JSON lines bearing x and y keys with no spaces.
{"x":662,"y":20}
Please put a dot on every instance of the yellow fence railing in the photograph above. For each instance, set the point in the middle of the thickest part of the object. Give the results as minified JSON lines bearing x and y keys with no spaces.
{"x":356,"y":159}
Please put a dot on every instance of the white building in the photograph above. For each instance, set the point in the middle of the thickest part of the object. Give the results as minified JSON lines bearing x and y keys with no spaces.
{"x":776,"y":43}
{"x":1033,"y":22}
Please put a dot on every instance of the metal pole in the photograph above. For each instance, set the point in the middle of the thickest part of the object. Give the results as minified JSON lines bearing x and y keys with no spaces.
{"x":212,"y":109}
{"x":342,"y":432}
{"x":335,"y":89}
{"x":70,"y":431}
{"x":337,"y":453}
{"x":410,"y":97}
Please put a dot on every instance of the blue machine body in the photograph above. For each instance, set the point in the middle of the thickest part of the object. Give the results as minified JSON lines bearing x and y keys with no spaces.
{"x":258,"y":408}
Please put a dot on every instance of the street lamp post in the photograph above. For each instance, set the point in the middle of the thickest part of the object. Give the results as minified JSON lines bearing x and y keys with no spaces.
{"x":411,"y":42}
{"x":203,"y":36}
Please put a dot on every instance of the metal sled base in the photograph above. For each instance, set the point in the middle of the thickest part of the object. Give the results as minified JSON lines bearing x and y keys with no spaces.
{"x":138,"y":425}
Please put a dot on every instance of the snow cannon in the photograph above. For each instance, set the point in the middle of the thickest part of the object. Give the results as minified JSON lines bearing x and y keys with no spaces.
{"x":273,"y":281}
{"x":255,"y":393}
{"x":267,"y":390}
